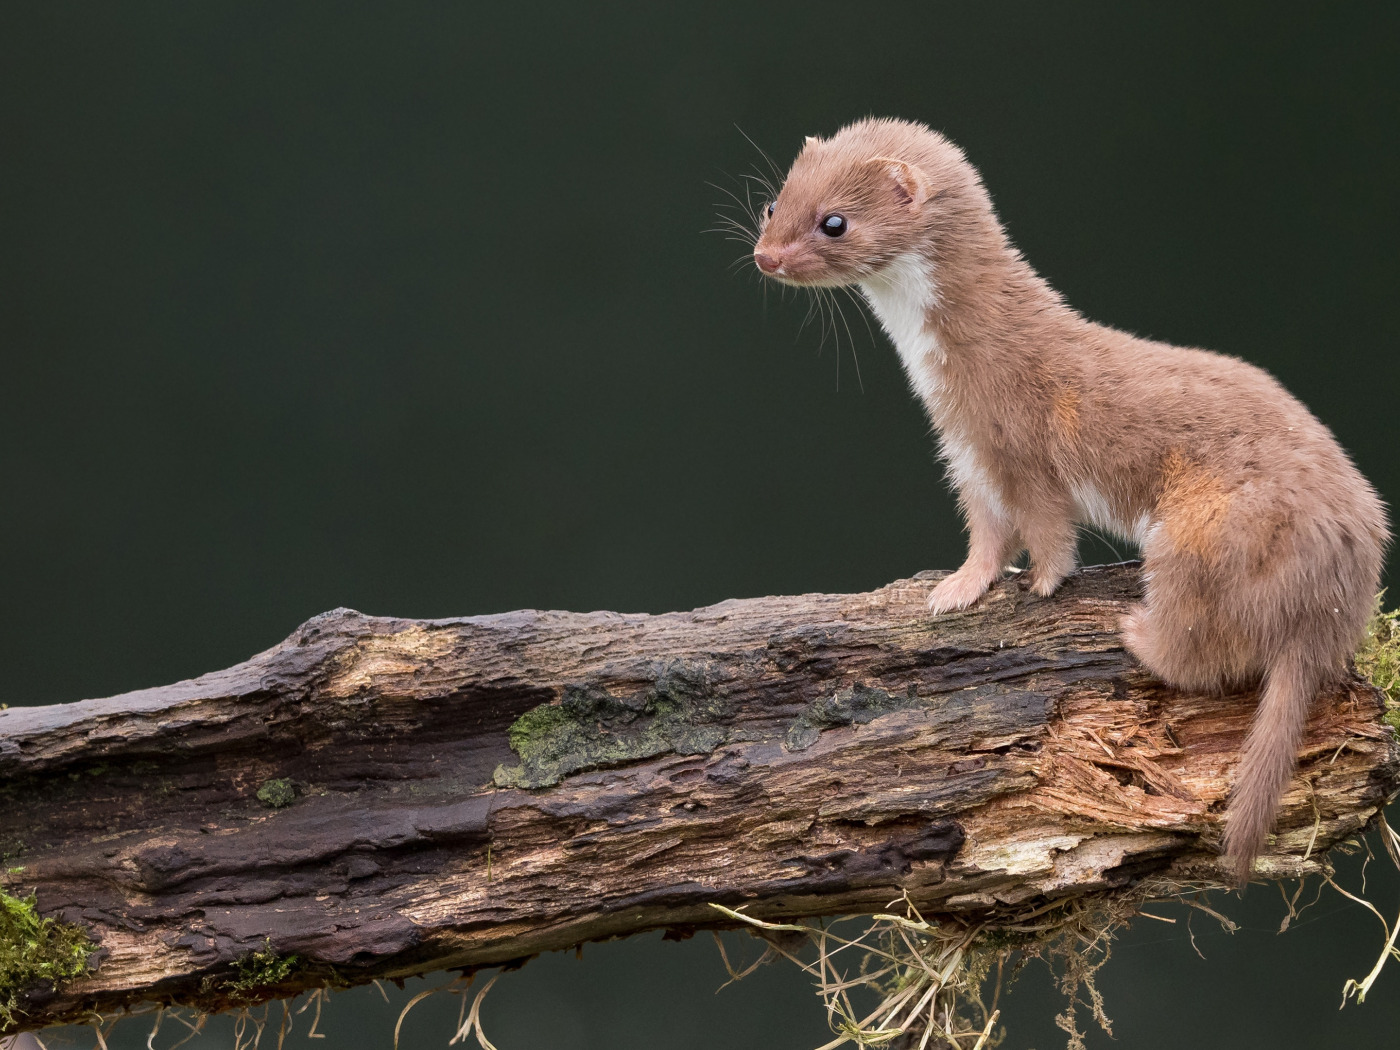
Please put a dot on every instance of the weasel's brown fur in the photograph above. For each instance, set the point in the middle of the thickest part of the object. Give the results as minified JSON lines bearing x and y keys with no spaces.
{"x":1262,"y":544}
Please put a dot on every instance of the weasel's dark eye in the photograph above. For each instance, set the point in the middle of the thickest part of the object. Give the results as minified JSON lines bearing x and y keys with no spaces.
{"x":769,"y":210}
{"x":834,"y":225}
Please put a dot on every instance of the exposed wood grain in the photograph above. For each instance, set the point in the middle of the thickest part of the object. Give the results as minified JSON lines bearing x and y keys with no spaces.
{"x":803,"y":755}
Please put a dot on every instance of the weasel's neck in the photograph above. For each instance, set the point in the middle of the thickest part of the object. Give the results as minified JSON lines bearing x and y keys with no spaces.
{"x":975,"y":307}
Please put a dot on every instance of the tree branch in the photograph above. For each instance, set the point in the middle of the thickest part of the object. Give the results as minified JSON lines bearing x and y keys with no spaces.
{"x":382,"y":797}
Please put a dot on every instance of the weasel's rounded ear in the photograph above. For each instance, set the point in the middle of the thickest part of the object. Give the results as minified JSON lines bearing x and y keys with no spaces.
{"x":910,"y":183}
{"x":811,"y":140}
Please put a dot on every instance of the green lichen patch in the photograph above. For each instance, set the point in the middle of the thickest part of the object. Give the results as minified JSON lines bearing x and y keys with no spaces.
{"x":1379,"y":659}
{"x":853,"y":705}
{"x":277,"y":793}
{"x":261,"y":969}
{"x":591,"y":728}
{"x":34,"y":949}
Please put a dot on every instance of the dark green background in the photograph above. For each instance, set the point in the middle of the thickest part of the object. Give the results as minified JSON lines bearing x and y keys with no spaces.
{"x":408,"y":307}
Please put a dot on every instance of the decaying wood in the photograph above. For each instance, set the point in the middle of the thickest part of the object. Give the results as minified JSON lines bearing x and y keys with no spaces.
{"x":798,"y":756}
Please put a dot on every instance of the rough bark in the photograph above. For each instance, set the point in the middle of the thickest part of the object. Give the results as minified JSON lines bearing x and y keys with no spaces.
{"x":469,"y":792}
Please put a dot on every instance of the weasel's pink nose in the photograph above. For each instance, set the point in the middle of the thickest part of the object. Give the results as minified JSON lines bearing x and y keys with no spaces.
{"x":767,"y":263}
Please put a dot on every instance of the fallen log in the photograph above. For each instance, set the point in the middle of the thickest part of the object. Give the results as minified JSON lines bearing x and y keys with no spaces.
{"x":378,"y":797}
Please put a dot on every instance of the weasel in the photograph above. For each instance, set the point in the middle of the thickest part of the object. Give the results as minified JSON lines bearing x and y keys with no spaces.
{"x":1261,"y":543}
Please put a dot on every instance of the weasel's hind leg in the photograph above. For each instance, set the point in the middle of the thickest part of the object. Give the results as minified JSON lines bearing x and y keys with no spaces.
{"x":1188,"y":630}
{"x":1173,"y":651}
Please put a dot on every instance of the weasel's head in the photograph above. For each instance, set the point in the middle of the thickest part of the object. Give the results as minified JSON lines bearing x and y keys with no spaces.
{"x":851,"y":204}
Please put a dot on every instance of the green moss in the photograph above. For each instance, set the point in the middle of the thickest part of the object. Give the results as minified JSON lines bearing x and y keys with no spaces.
{"x":1379,"y":659}
{"x":592,"y":728}
{"x":261,"y":969}
{"x":532,"y":731}
{"x":34,"y":949}
{"x":277,"y":793}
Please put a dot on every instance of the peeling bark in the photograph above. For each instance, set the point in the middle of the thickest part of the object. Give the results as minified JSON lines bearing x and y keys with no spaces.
{"x":382,"y":797}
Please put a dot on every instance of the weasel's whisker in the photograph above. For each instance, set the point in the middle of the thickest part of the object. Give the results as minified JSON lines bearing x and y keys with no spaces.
{"x":831,"y":323}
{"x":805,"y":319}
{"x":761,"y":152}
{"x":815,"y":298}
{"x":746,"y":222}
{"x":855,"y":358}
{"x":730,"y":221}
{"x":762,"y":175}
{"x":734,"y":221}
{"x":734,"y":233}
{"x":733,"y":212}
{"x":825,"y":303}
{"x":726,"y":191}
{"x":737,"y":236}
{"x":762,"y":180}
{"x":1099,"y":535}
{"x":769,"y":189}
{"x":825,"y":295}
{"x":860,"y":305}
{"x":744,"y":204}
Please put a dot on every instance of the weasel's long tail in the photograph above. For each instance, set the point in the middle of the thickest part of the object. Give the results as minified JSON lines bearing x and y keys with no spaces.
{"x":1270,"y":755}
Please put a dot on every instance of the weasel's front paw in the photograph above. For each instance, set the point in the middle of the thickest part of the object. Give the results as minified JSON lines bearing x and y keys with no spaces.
{"x":958,"y":591}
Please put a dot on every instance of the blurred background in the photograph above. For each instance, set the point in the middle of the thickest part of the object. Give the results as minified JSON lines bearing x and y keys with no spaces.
{"x":410,"y":308}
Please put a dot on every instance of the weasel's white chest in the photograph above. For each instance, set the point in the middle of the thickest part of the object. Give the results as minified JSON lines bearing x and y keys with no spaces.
{"x":900,"y":296}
